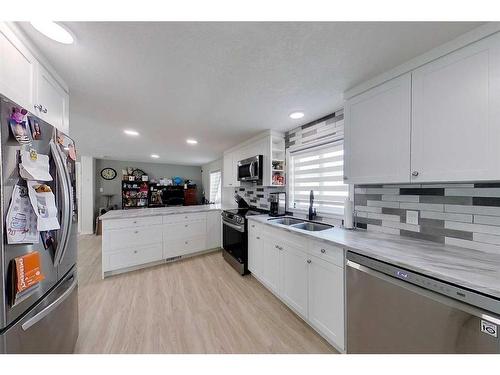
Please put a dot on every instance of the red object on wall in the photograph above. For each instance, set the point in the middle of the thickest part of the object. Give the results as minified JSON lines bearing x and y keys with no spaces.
{"x":190,"y":197}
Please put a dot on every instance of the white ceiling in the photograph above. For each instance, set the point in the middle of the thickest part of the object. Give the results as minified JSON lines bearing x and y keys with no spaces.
{"x":219,"y":83}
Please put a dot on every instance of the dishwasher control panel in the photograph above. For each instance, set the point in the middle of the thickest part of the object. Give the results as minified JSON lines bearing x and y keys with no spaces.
{"x":442,"y":287}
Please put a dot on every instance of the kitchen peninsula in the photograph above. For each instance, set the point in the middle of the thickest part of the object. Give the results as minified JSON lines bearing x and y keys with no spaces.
{"x":139,"y":238}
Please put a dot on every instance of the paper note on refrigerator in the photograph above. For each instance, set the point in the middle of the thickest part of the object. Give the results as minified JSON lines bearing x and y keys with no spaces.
{"x":44,"y":203}
{"x":34,"y":167}
{"x":21,"y":220}
{"x":28,"y":271}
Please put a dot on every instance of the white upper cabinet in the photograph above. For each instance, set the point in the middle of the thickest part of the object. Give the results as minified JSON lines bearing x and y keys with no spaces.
{"x":51,"y":100}
{"x":17,"y":70}
{"x":456,"y":115}
{"x":229,"y":171}
{"x":377,"y":134}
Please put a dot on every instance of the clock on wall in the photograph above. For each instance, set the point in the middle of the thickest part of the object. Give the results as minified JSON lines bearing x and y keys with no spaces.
{"x":108,"y":173}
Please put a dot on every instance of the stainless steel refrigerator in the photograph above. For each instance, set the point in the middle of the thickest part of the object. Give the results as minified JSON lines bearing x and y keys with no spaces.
{"x":46,"y":319}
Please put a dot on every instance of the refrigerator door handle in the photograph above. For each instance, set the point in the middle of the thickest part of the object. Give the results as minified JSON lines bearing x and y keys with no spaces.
{"x":46,"y":311}
{"x":66,"y":203}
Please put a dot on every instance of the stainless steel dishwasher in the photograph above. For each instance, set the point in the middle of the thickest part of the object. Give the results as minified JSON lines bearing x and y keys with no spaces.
{"x":394,"y":310}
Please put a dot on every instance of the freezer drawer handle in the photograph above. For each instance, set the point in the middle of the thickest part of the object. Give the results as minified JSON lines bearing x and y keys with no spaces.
{"x":46,"y":311}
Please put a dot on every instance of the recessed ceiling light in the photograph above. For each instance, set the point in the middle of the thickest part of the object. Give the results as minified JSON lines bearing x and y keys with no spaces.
{"x":131,"y":132}
{"x":296,"y":115}
{"x":192,"y":141}
{"x":155,"y":156}
{"x":54,"y":31}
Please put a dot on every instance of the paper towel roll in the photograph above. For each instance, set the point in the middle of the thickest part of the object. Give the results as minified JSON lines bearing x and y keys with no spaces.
{"x":348,"y":214}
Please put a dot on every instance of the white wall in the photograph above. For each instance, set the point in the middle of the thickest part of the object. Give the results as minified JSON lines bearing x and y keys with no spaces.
{"x":87,"y":186}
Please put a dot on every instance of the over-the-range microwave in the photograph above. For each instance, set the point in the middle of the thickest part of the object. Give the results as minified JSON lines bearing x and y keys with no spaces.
{"x":250,"y":170}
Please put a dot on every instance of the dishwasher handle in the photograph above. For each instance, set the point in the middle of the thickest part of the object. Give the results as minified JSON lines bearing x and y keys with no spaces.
{"x":426,"y":293}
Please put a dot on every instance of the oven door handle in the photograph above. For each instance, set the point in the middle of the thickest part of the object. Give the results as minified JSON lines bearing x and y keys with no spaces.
{"x":235,"y":227}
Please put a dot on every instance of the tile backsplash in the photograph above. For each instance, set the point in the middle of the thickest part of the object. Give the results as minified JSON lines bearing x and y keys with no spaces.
{"x":466,"y":215}
{"x":258,"y":196}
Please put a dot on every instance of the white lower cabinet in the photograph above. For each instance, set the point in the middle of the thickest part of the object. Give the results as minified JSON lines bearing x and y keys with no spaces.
{"x":308,"y":276}
{"x":293,"y":273}
{"x":271,"y":265}
{"x":326,"y":299}
{"x":132,"y":243}
{"x":256,"y":244}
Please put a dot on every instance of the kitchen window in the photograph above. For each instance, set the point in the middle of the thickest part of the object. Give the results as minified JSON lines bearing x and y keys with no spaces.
{"x":321,"y":169}
{"x":215,"y":187}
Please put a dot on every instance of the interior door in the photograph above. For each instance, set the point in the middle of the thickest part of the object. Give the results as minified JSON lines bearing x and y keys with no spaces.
{"x":377,"y":134}
{"x":456,"y":101}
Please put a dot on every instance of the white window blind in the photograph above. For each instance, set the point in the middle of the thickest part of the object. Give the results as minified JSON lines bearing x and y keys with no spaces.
{"x":215,"y":187}
{"x":320,"y":169}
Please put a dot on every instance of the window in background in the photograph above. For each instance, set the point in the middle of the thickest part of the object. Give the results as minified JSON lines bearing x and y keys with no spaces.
{"x":215,"y":187}
{"x":320,"y":169}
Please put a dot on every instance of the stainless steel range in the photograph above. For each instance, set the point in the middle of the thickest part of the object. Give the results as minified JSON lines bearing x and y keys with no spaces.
{"x":235,"y":237}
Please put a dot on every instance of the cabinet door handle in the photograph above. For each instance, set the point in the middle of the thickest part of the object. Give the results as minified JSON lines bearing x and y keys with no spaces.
{"x":414,"y":173}
{"x":44,"y":110}
{"x":135,"y":222}
{"x":323,"y":251}
{"x":309,"y":261}
{"x":186,"y":242}
{"x":135,"y":251}
{"x":345,"y":177}
{"x":258,"y":237}
{"x":276,"y":246}
{"x":135,"y":231}
{"x":186,"y":225}
{"x":38,"y":106}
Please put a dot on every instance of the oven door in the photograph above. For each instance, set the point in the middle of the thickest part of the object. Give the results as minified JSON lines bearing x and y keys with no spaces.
{"x":234,"y":241}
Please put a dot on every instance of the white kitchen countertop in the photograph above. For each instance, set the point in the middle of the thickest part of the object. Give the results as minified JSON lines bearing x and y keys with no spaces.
{"x":158,"y":211}
{"x":473,"y":269}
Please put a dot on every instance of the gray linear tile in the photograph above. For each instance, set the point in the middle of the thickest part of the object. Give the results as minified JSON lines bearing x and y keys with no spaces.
{"x":394,"y":211}
{"x":422,"y":236}
{"x":488,"y":220}
{"x":487,"y":238}
{"x":399,"y":225}
{"x":380,"y":229}
{"x":401,"y":198}
{"x":368,"y":209}
{"x":473,"y":192}
{"x":445,"y":199}
{"x":371,"y":203}
{"x":367,"y":220}
{"x":477,"y":210}
{"x":476,"y":228}
{"x":444,"y":232}
{"x":431,"y":223}
{"x":466,"y":218}
{"x":373,"y":215}
{"x":423,"y":206}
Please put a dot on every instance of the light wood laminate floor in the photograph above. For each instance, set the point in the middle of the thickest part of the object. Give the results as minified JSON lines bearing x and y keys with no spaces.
{"x":198,"y":305}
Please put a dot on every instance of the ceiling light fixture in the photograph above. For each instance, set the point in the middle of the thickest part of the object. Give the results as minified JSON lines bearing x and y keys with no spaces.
{"x":296,"y":115}
{"x":155,"y":156}
{"x":131,"y":132}
{"x":54,"y":31}
{"x":191,"y":141}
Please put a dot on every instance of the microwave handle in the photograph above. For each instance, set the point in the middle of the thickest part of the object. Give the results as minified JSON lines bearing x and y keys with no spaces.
{"x":252,"y":174}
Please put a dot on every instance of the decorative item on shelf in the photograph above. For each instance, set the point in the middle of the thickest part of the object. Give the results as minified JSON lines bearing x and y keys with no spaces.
{"x":278,"y":165}
{"x":177,"y":180}
{"x":278,"y":179}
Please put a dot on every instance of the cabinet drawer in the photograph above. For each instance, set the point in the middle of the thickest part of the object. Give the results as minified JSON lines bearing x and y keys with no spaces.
{"x":183,"y":246}
{"x":133,"y":257}
{"x":128,"y":238}
{"x":184,"y":230}
{"x":128,"y":223}
{"x":178,"y":218}
{"x":330,"y":253}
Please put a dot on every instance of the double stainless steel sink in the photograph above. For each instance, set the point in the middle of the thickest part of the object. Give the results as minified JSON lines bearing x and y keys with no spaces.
{"x":306,"y":225}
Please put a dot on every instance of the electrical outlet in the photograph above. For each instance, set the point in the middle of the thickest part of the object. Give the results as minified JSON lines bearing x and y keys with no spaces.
{"x":101,"y":190}
{"x":412,"y":217}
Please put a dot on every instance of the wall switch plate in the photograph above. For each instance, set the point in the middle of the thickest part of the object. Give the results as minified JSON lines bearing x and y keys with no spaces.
{"x":412,"y":217}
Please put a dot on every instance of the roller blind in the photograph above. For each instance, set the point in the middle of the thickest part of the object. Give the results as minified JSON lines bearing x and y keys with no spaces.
{"x":215,"y":187}
{"x":320,"y":169}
